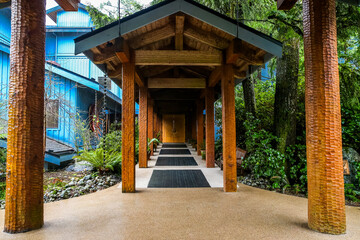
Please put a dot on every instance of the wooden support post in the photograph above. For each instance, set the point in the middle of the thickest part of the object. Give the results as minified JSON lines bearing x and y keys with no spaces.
{"x":143,"y":127}
{"x":151,"y":122}
{"x":200,"y":125}
{"x":128,"y":128}
{"x":155,"y":124}
{"x":210,"y":127}
{"x":25,"y":140}
{"x":160,"y":128}
{"x":326,"y":201}
{"x":193,"y":126}
{"x":229,"y":128}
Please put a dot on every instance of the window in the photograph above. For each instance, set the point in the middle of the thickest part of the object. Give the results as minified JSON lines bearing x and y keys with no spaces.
{"x":52,"y":113}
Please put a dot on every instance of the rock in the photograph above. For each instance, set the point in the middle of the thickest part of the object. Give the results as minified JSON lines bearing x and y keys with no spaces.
{"x":70,"y":184}
{"x":89,"y":182}
{"x":87,"y":177}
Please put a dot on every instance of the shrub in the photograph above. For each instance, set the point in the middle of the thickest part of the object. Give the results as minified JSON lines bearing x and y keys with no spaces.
{"x":263,"y":160}
{"x":112,"y":140}
{"x":101,"y":160}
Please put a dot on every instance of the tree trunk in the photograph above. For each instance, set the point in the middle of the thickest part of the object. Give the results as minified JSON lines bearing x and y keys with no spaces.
{"x":286,"y":95}
{"x":249,"y":96}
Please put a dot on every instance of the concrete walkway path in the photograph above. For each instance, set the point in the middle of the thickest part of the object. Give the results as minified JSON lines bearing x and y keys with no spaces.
{"x":205,"y":213}
{"x":214,"y":176}
{"x":193,"y":213}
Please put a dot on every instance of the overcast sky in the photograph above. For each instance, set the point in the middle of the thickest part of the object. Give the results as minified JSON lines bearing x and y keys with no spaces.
{"x":96,"y":3}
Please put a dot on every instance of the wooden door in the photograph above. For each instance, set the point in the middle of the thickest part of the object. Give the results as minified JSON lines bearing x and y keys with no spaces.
{"x":173,"y":128}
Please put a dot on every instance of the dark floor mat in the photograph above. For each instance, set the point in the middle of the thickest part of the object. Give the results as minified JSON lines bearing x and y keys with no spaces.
{"x":174,"y":151}
{"x":174,"y":145}
{"x":178,"y":179}
{"x":176,"y":161}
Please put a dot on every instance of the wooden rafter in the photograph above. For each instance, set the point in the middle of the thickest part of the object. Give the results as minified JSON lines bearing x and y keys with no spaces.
{"x":68,"y":5}
{"x":179,"y":31}
{"x":151,"y":37}
{"x":177,"y":58}
{"x":237,"y":50}
{"x":155,"y":70}
{"x":214,"y":77}
{"x":117,"y":50}
{"x":176,"y":83}
{"x":206,"y":37}
{"x":285,"y":4}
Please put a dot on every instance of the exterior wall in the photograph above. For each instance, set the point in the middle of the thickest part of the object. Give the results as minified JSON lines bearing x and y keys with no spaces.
{"x":74,"y":19}
{"x":4,"y":83}
{"x":64,"y":90}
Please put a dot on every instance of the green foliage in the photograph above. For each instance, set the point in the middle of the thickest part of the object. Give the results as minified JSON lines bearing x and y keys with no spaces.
{"x":263,"y":160}
{"x":2,"y":190}
{"x":112,"y":140}
{"x":101,"y":160}
{"x":296,"y":157}
{"x":153,"y":141}
{"x":203,"y":155}
{"x":108,"y":13}
{"x":351,"y":193}
{"x":2,"y":160}
{"x":350,"y":127}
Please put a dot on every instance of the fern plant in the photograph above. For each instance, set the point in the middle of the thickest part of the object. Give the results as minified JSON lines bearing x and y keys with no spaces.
{"x":99,"y":161}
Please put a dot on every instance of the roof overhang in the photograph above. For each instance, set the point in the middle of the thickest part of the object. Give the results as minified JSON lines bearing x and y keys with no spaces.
{"x":169,"y":7}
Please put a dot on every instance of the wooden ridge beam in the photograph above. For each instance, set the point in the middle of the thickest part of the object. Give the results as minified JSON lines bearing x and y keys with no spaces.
{"x":237,"y":50}
{"x":285,"y":4}
{"x":206,"y":37}
{"x":178,"y":58}
{"x":179,"y":32}
{"x":176,"y":83}
{"x":151,"y":37}
{"x":68,"y":5}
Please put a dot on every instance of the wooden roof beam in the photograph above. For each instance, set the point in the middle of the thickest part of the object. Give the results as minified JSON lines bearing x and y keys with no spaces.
{"x":68,"y":5}
{"x":237,"y":50}
{"x":155,"y":70}
{"x":178,"y":58}
{"x":206,"y":37}
{"x":176,"y":83}
{"x":117,"y":50}
{"x":153,"y":36}
{"x":179,"y":32}
{"x":214,"y":77}
{"x":285,"y":4}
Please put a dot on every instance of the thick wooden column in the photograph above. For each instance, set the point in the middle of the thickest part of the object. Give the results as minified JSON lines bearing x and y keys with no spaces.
{"x":143,"y":127}
{"x":155,"y":124}
{"x":193,"y":126}
{"x":200,"y":124}
{"x":128,"y":128}
{"x":25,"y":141}
{"x":326,"y":207}
{"x":210,"y":127}
{"x":228,"y":128}
{"x":151,"y":122}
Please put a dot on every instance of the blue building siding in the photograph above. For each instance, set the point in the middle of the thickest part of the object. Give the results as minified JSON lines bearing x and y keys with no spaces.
{"x":64,"y":90}
{"x":4,"y":81}
{"x":74,"y":19}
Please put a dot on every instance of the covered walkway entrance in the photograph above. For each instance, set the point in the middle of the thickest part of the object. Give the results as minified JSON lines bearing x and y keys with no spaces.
{"x":175,"y":59}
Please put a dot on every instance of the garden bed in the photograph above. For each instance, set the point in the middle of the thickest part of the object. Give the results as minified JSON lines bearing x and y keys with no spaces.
{"x":61,"y":184}
{"x":265,"y":184}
